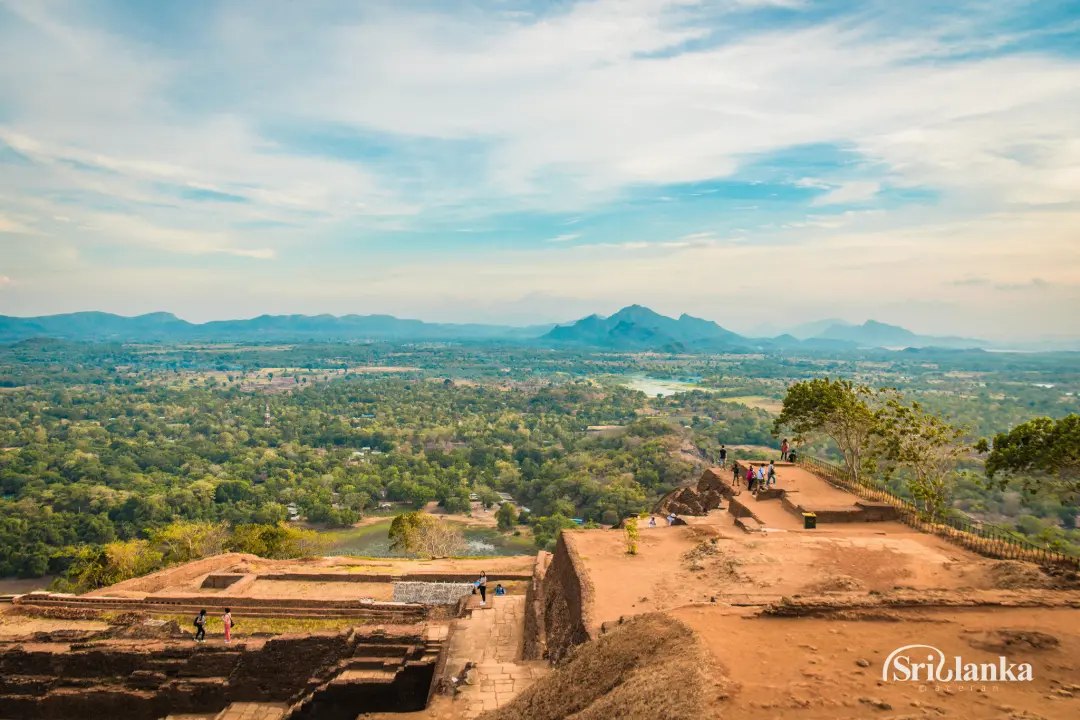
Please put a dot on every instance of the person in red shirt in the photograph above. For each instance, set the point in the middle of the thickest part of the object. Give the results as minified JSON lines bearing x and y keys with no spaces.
{"x":783,"y":450}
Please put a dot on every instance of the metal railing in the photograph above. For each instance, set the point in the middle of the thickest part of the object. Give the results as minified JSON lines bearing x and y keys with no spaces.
{"x":984,"y":538}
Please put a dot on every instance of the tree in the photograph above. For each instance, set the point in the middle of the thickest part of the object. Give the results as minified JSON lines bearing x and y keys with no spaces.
{"x":182,"y":541}
{"x":546,"y":529}
{"x":403,"y":530}
{"x":418,"y":532}
{"x":506,"y":516}
{"x":488,"y":497}
{"x":924,"y":443}
{"x":838,"y":409}
{"x":631,"y":529}
{"x":1045,"y":453}
{"x":276,"y":541}
{"x":439,"y":538}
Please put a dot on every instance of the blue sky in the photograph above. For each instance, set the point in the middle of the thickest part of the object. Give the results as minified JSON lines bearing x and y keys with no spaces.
{"x":756,"y":162}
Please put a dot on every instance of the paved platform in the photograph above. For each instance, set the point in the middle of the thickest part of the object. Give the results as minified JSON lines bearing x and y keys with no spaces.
{"x":492,"y":638}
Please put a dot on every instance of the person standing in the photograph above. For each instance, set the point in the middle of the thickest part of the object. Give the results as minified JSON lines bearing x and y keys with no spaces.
{"x":227,"y":621}
{"x":735,"y":476}
{"x":723,"y":456}
{"x":750,"y":478}
{"x":771,"y":479}
{"x":783,"y":450}
{"x":200,"y":626}
{"x":481,"y":584}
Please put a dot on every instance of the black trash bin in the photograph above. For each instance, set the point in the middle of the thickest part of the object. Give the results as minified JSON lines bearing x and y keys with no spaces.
{"x":809,"y":521}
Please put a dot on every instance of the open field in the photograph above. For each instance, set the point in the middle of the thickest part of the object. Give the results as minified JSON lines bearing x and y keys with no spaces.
{"x":768,"y":404}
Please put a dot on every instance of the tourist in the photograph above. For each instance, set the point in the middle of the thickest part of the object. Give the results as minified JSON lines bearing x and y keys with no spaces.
{"x":481,"y":585}
{"x":499,"y":590}
{"x":783,"y":450}
{"x":750,"y":478}
{"x":723,"y":456}
{"x":652,"y":521}
{"x":791,"y":456}
{"x":671,"y":519}
{"x":761,"y":478}
{"x":200,"y":627}
{"x":771,"y":479}
{"x":734,"y":475}
{"x":227,"y":621}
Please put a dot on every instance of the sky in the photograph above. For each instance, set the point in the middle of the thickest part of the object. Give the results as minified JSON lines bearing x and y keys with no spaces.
{"x":760,"y":163}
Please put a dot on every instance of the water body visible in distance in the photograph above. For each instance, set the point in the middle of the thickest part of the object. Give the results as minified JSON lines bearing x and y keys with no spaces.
{"x":373,"y":541}
{"x":656,"y":386}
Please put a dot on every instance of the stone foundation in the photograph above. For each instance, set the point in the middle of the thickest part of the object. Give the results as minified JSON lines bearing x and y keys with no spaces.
{"x":324,"y":676}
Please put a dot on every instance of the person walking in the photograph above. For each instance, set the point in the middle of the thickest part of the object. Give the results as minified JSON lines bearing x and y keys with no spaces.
{"x":723,"y":456}
{"x":783,"y":450}
{"x":227,"y":621}
{"x":750,"y":478}
{"x":200,"y":626}
{"x":734,"y":476}
{"x":771,"y":478}
{"x":761,"y":478}
{"x":481,"y":584}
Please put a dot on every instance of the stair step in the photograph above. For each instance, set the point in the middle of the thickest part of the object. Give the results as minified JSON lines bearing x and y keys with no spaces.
{"x":376,"y":663}
{"x":377,"y":677}
{"x":252,"y":711}
{"x":748,"y":524}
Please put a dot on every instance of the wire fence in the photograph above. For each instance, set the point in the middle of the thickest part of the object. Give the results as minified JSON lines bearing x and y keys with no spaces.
{"x":984,"y":538}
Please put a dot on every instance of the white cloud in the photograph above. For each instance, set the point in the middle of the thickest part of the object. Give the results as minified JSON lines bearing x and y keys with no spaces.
{"x":11,"y":225}
{"x":852,"y":192}
{"x":564,"y":110}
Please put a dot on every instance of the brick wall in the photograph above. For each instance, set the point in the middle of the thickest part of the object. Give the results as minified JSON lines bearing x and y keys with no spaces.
{"x":568,"y":599}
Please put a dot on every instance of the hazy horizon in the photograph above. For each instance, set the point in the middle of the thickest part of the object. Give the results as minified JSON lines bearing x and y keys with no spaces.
{"x":751,"y":162}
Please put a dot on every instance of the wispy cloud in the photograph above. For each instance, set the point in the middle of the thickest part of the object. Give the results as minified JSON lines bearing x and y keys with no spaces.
{"x":332,"y":137}
{"x":852,"y":192}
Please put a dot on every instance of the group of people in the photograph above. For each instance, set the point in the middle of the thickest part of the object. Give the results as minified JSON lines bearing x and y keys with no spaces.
{"x":226,"y":621}
{"x":480,"y":586}
{"x":756,"y":480}
{"x":786,"y":453}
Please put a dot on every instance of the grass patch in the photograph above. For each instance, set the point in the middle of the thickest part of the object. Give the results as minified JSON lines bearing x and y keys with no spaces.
{"x":758,"y":401}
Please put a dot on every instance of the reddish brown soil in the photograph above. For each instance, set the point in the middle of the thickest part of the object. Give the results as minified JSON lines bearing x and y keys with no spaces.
{"x":15,"y":625}
{"x":679,"y":565}
{"x":188,"y":579}
{"x":321,"y":590}
{"x":812,"y":669}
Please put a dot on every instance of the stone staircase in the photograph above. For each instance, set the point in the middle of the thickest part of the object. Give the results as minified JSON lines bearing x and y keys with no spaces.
{"x":378,"y":677}
{"x":240,"y":711}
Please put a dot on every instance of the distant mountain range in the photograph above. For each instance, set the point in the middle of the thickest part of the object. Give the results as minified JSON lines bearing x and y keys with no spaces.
{"x":634,"y":328}
{"x":639,"y":328}
{"x":166,"y":327}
